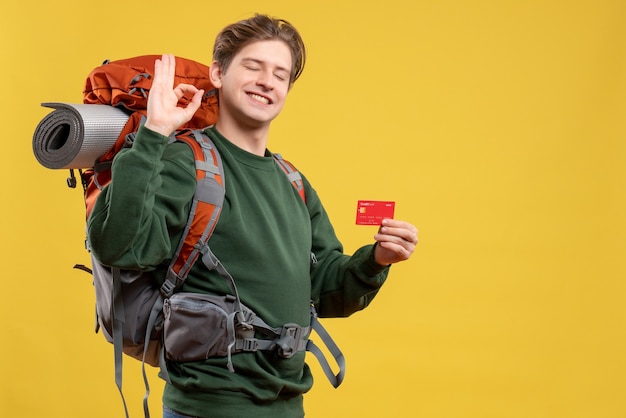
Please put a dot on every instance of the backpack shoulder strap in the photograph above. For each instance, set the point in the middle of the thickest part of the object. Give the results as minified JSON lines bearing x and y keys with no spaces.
{"x":207,"y":204}
{"x":292,"y":174}
{"x":205,"y":208}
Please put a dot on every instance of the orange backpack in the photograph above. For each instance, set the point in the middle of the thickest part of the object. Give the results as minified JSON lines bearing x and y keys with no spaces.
{"x":125,"y":84}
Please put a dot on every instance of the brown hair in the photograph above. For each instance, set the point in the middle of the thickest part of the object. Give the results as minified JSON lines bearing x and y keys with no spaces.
{"x":259,"y":28}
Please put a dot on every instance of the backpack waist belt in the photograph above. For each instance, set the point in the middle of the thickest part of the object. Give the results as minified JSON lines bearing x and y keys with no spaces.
{"x":201,"y":326}
{"x":289,"y":340}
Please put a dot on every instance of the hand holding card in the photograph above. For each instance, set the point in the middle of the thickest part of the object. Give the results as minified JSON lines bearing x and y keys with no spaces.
{"x":372,"y":212}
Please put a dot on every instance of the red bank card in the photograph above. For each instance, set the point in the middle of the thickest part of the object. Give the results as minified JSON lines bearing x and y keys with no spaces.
{"x":372,"y":212}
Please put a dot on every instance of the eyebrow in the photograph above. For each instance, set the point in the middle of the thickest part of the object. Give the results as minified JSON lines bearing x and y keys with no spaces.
{"x":260,"y":62}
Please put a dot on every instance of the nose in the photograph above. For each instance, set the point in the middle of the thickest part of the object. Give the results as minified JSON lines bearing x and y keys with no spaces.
{"x":266,"y":79}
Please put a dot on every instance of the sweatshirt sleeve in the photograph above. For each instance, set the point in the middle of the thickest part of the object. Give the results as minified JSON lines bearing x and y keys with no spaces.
{"x":145,"y":204}
{"x":341,"y":284}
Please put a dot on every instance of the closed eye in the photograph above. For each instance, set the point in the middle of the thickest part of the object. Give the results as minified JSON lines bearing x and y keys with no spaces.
{"x":282,"y":75}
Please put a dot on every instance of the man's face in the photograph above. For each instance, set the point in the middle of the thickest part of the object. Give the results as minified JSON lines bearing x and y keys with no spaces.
{"x":254,"y":87}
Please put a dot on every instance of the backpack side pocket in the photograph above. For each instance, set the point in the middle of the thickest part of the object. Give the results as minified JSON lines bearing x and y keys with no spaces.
{"x":198,"y":326}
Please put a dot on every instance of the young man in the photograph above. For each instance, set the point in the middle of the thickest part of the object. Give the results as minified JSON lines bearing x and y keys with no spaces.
{"x":265,"y":234}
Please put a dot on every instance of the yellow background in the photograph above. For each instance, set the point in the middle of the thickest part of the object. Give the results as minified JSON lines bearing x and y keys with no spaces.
{"x":496,"y":126}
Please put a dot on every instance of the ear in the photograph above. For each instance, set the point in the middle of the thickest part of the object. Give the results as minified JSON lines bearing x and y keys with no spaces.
{"x":215,"y":73}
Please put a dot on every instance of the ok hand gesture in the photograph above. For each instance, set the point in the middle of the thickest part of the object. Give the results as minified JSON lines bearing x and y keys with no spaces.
{"x":164,"y":114}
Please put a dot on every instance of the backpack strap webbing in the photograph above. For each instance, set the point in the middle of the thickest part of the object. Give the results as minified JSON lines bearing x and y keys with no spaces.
{"x":154,"y":313}
{"x":291,"y":338}
{"x":205,"y":208}
{"x":335,"y":379}
{"x":118,"y":315}
{"x":292,"y":174}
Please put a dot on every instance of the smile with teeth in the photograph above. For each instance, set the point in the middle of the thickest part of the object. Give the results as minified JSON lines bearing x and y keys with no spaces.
{"x":258,"y":98}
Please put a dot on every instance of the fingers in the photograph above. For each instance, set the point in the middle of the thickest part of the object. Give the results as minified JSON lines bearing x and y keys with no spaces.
{"x":164,"y":70}
{"x":396,"y":241}
{"x":170,"y":107}
{"x":186,"y":89}
{"x":399,"y":231}
{"x":191,"y":105}
{"x":196,"y":100}
{"x":164,"y":76}
{"x":163,"y":73}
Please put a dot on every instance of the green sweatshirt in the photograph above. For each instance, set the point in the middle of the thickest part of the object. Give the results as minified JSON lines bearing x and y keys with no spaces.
{"x":264,"y":238}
